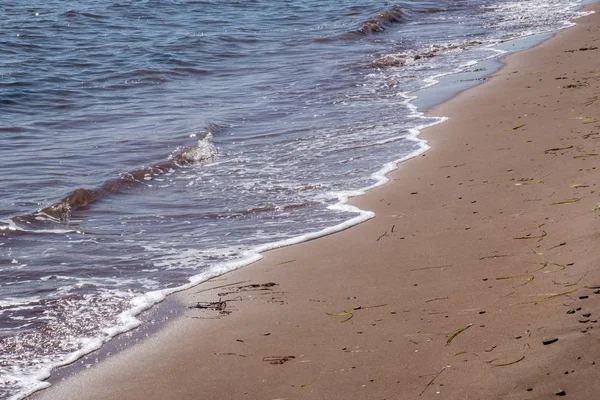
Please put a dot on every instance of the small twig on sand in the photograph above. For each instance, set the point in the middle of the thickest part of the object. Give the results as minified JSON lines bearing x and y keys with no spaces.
{"x":456,"y":333}
{"x":431,"y":381}
{"x":376,"y":306}
{"x":219,"y":306}
{"x":230,"y":354}
{"x":285,"y":262}
{"x":275,"y":360}
{"x":384,"y":234}
{"x":558,"y":245}
{"x":222,"y":286}
{"x":250,"y":287}
{"x":259,"y":286}
{"x":437,"y":298}
{"x":494,"y":256}
{"x":437,"y":267}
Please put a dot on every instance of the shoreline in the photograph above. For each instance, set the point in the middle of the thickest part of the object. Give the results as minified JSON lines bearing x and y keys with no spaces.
{"x":280,"y":257}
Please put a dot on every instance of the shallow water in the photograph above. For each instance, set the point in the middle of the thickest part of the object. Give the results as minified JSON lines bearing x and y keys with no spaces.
{"x":148,"y":145}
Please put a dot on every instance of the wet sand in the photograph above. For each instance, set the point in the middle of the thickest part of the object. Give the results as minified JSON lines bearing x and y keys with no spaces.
{"x":478,"y":278}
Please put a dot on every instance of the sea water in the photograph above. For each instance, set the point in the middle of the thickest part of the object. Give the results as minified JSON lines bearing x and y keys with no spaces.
{"x":148,"y":145}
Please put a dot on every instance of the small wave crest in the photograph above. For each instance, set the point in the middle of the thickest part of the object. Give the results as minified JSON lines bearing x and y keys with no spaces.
{"x":204,"y":151}
{"x":261,"y":209}
{"x":398,"y":60}
{"x":80,"y":198}
{"x":379,"y":23}
{"x":75,"y":13}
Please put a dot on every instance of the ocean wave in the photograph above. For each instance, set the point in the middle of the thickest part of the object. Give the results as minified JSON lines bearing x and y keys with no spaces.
{"x":75,"y":13}
{"x":400,"y":59}
{"x":260,"y":209}
{"x":62,"y":211}
{"x":378,"y":24}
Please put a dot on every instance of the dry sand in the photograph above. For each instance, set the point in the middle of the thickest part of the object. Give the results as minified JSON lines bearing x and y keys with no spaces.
{"x":481,"y":250}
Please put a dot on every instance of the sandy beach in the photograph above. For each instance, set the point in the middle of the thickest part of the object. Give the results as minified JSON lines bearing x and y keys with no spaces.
{"x":477,"y":279}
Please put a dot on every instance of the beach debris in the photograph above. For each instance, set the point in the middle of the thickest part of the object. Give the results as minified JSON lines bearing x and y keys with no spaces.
{"x":548,"y":341}
{"x":219,"y":306}
{"x":436,"y":267}
{"x":431,"y":381}
{"x":543,"y":265}
{"x":349,"y":312}
{"x":518,"y":127}
{"x":450,"y":337}
{"x":570,"y":283}
{"x":581,"y":49}
{"x":596,"y":209}
{"x":560,"y":268}
{"x":589,"y":120}
{"x":251,"y":287}
{"x":222,"y":286}
{"x":261,"y":286}
{"x":568,"y":201}
{"x":584,"y":156}
{"x":590,"y":101}
{"x":534,"y":237}
{"x":285,"y":262}
{"x":528,"y":181}
{"x":553,"y":296}
{"x":230,"y":354}
{"x":278,"y":360}
{"x":578,"y":185}
{"x":437,"y":298}
{"x":528,"y":278}
{"x":561,"y":393}
{"x":494,"y":256}
{"x":495,"y":363}
{"x":584,"y":297}
{"x":558,"y":245}
{"x":575,"y":85}
{"x":557,"y":149}
{"x":381,"y":236}
{"x":500,"y":180}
